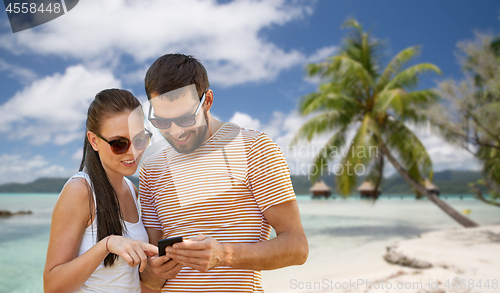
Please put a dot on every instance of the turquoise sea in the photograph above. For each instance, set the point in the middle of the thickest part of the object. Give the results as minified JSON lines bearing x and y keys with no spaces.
{"x":334,"y":224}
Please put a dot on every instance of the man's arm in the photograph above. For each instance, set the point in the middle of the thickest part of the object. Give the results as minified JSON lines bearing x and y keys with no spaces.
{"x":288,"y":248}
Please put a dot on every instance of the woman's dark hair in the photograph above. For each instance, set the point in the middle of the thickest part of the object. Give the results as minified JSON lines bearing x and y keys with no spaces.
{"x":108,"y":214}
{"x":173,"y":71}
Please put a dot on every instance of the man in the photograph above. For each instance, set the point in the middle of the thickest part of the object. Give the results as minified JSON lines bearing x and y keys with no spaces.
{"x":219,"y":186}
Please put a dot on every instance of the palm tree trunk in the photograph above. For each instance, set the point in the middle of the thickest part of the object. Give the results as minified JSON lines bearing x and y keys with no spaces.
{"x":462,"y":220}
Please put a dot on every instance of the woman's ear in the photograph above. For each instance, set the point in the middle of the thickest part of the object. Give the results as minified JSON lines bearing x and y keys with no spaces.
{"x":93,"y":140}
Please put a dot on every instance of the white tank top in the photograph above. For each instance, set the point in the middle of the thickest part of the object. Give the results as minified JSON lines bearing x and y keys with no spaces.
{"x":120,"y":277}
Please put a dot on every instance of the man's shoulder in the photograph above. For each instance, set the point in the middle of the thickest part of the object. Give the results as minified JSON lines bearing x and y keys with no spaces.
{"x":256,"y":141}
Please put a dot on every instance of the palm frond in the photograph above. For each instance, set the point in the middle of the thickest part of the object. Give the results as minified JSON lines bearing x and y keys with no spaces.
{"x":375,"y":172}
{"x":409,"y":149}
{"x":406,"y":105}
{"x":326,"y":100}
{"x":319,"y":124}
{"x":349,"y":70}
{"x":360,"y":46}
{"x":315,"y":69}
{"x":328,"y":153}
{"x":352,"y":23}
{"x":408,"y":78}
{"x":395,"y":66}
{"x":346,"y":180}
{"x":389,"y":99}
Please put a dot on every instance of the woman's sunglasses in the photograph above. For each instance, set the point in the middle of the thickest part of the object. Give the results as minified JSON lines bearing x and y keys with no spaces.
{"x":121,"y":145}
{"x":181,"y":121}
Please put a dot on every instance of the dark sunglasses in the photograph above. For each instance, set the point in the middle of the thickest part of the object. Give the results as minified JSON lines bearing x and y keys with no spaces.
{"x":181,"y":121}
{"x":121,"y":145}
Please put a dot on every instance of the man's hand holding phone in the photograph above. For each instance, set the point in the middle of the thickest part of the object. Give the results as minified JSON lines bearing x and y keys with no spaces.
{"x":164,"y":243}
{"x":160,"y":268}
{"x":201,"y":253}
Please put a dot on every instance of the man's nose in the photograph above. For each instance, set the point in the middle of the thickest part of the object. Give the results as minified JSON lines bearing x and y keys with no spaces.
{"x":175,"y":130}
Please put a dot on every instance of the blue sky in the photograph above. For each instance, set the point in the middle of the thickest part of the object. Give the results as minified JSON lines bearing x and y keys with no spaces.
{"x":254,"y":51}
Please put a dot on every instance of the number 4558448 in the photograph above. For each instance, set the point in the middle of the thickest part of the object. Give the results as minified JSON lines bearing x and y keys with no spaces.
{"x":32,"y":8}
{"x":471,"y":284}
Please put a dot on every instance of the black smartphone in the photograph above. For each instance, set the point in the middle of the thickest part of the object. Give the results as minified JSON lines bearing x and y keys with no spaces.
{"x":163,"y":243}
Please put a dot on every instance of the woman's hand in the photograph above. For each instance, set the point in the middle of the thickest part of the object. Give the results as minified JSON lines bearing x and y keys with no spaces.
{"x":134,"y":252}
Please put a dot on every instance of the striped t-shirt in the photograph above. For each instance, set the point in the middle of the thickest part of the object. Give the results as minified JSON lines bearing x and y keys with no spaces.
{"x":219,"y":190}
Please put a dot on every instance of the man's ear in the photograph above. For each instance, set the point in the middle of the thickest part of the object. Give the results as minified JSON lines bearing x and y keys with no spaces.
{"x":93,"y":140}
{"x":209,"y":100}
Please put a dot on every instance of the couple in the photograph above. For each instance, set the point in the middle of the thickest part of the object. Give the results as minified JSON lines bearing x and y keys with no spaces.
{"x":221,"y":187}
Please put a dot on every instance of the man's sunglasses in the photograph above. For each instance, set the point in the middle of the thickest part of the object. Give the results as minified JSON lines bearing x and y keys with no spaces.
{"x":121,"y":145}
{"x":181,"y":121}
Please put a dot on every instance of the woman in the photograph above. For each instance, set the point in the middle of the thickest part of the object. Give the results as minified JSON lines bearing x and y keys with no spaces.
{"x":97,"y":238}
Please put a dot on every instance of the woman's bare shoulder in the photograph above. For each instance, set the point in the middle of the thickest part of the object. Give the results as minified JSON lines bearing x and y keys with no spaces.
{"x":76,"y":190}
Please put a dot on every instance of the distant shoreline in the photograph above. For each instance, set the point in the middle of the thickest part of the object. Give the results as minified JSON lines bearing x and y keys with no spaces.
{"x":449,"y":182}
{"x":333,"y":197}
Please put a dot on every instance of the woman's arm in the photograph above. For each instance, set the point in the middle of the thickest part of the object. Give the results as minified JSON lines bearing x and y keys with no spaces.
{"x":64,"y":271}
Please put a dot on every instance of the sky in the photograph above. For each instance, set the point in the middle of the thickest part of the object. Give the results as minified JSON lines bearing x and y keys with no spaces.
{"x":255,"y":53}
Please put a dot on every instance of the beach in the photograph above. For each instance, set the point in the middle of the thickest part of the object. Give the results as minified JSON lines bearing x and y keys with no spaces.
{"x":347,"y":239}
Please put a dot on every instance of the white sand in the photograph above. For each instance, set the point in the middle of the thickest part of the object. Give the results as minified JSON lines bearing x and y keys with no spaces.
{"x":352,"y":261}
{"x":470,"y":256}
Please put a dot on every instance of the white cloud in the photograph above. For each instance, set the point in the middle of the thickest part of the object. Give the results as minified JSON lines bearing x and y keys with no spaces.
{"x":444,"y":155}
{"x":225,"y":37}
{"x":53,"y":109}
{"x":78,"y":155}
{"x":245,"y":120}
{"x":321,"y":54}
{"x":19,"y":73}
{"x":21,"y":169}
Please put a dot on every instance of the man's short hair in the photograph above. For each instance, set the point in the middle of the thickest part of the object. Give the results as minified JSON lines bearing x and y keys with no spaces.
{"x":173,"y":71}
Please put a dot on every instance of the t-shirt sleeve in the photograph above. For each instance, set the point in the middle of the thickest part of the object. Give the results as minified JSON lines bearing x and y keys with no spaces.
{"x":149,"y":214}
{"x":268,"y":176}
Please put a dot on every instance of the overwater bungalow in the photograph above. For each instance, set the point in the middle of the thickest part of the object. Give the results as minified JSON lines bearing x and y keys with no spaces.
{"x":431,"y":187}
{"x":367,"y":189}
{"x":320,"y":189}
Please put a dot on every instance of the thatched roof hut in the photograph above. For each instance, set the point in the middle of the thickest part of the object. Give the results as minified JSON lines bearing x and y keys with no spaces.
{"x":431,"y":187}
{"x":367,"y":189}
{"x":320,"y":189}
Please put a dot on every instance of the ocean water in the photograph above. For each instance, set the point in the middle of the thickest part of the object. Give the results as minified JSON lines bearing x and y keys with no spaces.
{"x":23,"y":241}
{"x":333,"y":227}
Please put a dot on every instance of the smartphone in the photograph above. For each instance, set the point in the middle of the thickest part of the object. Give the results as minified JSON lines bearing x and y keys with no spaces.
{"x":163,"y":243}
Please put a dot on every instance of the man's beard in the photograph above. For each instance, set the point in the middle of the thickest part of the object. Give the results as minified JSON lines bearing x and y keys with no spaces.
{"x":200,"y":134}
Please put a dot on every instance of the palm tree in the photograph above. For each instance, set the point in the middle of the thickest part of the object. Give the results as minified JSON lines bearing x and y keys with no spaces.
{"x":356,"y":94}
